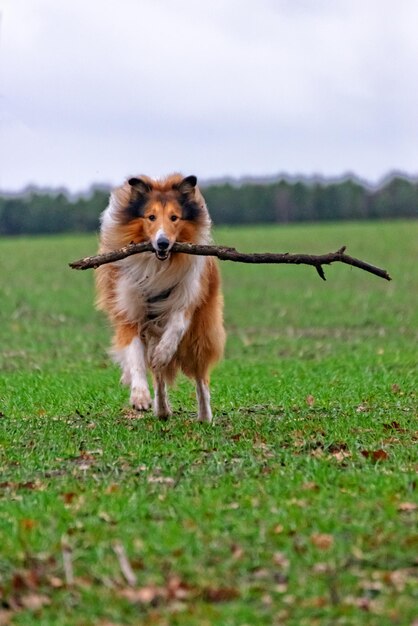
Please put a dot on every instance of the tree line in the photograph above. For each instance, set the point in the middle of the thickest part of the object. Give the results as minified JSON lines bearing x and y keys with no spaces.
{"x":281,"y":201}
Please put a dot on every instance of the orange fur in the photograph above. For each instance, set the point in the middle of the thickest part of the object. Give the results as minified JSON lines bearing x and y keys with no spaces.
{"x":182,"y":330}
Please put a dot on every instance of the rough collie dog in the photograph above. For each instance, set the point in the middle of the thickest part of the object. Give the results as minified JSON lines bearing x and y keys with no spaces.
{"x":166,"y":309}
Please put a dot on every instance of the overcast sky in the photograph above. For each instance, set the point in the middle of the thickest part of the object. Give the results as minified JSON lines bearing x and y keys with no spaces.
{"x":92,"y":91}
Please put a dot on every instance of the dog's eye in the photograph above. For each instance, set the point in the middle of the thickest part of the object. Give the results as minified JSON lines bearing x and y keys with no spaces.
{"x":174,"y":218}
{"x":152,"y":218}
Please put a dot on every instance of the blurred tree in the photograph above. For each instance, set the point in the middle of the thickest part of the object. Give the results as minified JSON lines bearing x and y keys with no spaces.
{"x":248,"y":203}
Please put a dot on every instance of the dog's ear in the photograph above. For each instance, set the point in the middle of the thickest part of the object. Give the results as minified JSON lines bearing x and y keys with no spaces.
{"x":139,"y":185}
{"x":139,"y":196}
{"x":191,"y":208}
{"x":187,"y":186}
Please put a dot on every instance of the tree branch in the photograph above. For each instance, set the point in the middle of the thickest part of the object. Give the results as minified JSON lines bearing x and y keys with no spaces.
{"x":231,"y":254}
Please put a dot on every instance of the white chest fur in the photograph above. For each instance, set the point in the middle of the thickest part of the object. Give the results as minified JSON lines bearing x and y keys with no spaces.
{"x":149,"y":288}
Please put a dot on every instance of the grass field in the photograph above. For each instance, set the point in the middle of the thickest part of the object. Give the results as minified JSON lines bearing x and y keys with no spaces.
{"x":298,"y":506}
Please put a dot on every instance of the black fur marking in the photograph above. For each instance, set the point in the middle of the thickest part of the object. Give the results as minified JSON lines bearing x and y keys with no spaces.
{"x":138,"y":200}
{"x":139,"y":185}
{"x":161,"y":296}
{"x":188,"y":184}
{"x":136,"y":207}
{"x":191,"y":211}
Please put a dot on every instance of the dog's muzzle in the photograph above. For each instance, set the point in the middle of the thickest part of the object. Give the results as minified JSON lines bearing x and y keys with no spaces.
{"x":163,"y":248}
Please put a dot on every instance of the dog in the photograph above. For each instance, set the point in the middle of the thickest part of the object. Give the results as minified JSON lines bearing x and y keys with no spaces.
{"x":166,"y":308}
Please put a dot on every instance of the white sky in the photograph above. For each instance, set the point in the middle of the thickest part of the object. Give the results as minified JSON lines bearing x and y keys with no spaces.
{"x":96,"y":90}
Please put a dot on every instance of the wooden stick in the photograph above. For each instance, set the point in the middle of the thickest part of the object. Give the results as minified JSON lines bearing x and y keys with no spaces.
{"x":231,"y":254}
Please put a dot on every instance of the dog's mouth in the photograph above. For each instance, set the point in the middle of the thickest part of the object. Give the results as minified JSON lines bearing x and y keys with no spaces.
{"x":162,"y":255}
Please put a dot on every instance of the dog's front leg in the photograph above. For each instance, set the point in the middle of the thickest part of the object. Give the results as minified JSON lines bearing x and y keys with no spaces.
{"x":134,"y":373}
{"x":166,"y":348}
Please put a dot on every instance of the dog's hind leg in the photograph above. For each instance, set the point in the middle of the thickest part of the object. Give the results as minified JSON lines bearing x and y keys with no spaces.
{"x":161,"y":404}
{"x":203,"y":400}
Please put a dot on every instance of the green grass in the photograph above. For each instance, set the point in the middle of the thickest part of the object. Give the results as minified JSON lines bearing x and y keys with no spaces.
{"x":294,"y":508}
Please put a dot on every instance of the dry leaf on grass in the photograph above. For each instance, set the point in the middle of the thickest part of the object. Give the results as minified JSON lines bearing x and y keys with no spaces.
{"x":68,"y":497}
{"x":105,"y":517}
{"x":341,"y":456}
{"x":132,"y":414}
{"x":162,"y":480}
{"x":321,"y":568}
{"x":25,"y":579}
{"x":112,"y":488}
{"x":322,"y":541}
{"x":394,"y":425}
{"x":375,"y":455}
{"x":362,"y":408}
{"x":365,"y":604}
{"x":55,"y":582}
{"x":310,"y":486}
{"x":407,"y":507}
{"x":175,"y":589}
{"x":34,"y":601}
{"x":281,"y":560}
{"x":237,"y":552}
{"x":220,"y":594}
{"x":398,"y":578}
{"x":143,"y":595}
{"x":27,"y":524}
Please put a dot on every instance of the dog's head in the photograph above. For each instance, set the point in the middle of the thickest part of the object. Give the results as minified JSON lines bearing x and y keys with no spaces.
{"x":168,"y":211}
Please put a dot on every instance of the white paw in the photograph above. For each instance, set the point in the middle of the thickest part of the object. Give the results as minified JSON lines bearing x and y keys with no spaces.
{"x":141,"y":399}
{"x":162,"y":355}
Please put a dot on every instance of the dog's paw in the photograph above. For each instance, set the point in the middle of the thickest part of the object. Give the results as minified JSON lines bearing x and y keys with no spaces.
{"x":205,"y":416}
{"x":141,"y":399}
{"x":162,"y":356}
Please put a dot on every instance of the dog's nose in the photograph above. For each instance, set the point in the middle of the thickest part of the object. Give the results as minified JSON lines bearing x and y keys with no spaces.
{"x":162,"y":243}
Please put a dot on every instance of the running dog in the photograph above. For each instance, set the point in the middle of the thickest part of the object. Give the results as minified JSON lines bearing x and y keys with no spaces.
{"x":166,"y":309}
